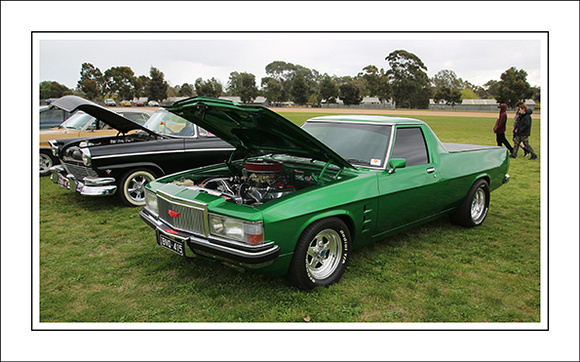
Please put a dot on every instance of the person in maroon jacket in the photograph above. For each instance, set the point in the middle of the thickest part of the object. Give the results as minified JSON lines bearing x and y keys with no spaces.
{"x":499,"y":128}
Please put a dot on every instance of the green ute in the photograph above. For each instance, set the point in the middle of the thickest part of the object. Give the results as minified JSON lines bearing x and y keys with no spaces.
{"x":301,"y":199}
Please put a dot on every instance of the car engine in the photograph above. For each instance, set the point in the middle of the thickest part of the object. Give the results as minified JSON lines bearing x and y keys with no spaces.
{"x":259,"y":182}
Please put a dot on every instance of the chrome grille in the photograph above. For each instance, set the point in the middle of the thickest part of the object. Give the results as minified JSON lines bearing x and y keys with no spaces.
{"x":79,"y":171}
{"x":182,"y":214}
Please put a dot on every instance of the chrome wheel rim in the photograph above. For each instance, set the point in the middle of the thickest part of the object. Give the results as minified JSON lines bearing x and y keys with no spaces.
{"x":136,"y":188}
{"x":324,"y":253}
{"x":478,"y":205}
{"x":45,"y":163}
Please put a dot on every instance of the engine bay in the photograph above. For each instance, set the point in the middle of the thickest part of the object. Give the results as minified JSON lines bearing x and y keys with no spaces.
{"x":259,"y":181}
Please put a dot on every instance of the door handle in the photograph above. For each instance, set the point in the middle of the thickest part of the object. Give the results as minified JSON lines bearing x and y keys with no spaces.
{"x":430,"y":170}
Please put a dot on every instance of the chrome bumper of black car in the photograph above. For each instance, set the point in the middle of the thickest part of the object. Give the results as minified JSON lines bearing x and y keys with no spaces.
{"x":89,"y":186}
{"x":251,"y":257}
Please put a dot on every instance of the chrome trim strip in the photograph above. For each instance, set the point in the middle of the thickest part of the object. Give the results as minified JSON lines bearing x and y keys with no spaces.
{"x":232,"y":250}
{"x":159,"y":152}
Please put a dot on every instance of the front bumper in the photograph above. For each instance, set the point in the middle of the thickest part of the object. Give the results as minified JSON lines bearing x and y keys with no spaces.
{"x":89,"y":186}
{"x":252,"y":257}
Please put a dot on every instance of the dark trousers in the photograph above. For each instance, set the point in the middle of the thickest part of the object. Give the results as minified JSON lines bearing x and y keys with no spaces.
{"x":501,"y":140}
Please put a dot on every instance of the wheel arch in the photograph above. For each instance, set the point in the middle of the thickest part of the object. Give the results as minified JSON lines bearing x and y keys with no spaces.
{"x":344,"y":215}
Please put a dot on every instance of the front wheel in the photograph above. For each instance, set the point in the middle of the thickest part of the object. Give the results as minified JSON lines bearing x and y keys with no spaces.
{"x":321,"y":254}
{"x":474,"y":208}
{"x":46,"y":162}
{"x":132,"y":187}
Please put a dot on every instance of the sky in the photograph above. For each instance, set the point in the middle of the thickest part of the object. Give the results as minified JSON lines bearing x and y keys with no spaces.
{"x":184,"y":57}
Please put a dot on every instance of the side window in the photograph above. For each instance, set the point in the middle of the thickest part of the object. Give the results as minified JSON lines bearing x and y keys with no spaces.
{"x":410,"y":145}
{"x":135,"y":117}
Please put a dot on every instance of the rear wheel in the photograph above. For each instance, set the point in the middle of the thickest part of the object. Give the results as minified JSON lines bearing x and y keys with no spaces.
{"x":474,"y":208}
{"x":132,"y":187}
{"x":321,"y":254}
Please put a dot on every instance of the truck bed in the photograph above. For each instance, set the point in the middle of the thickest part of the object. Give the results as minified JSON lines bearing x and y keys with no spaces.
{"x":460,"y":147}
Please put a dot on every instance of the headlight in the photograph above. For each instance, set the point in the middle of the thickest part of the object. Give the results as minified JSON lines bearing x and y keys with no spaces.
{"x":86,"y":156}
{"x":151,"y":201}
{"x":245,"y":231}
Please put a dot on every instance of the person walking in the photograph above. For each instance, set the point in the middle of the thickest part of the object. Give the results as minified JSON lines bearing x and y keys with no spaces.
{"x":516,"y":118}
{"x":522,"y":131}
{"x":499,"y":128}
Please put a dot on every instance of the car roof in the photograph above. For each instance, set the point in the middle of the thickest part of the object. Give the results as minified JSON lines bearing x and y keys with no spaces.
{"x":366,"y":119}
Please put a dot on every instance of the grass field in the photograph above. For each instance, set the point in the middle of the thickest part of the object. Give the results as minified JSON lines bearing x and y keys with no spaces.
{"x":100,"y":263}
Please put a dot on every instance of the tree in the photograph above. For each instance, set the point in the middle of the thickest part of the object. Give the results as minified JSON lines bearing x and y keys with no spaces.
{"x":513,"y":87}
{"x":491,"y":88}
{"x":468,"y":94}
{"x":350,"y":93}
{"x":447,"y":78}
{"x":209,"y":88}
{"x":447,"y":94}
{"x":328,"y":89}
{"x":52,"y":89}
{"x":141,"y":86}
{"x":121,"y":80}
{"x":91,"y":83}
{"x":157,"y":86}
{"x":186,"y":90}
{"x":244,"y":86}
{"x":371,"y":79}
{"x":299,"y":89}
{"x":384,"y":90}
{"x":272,"y":90}
{"x":408,"y":78}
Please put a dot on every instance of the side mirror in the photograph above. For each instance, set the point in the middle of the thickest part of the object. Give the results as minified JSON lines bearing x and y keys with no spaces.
{"x":396,"y":163}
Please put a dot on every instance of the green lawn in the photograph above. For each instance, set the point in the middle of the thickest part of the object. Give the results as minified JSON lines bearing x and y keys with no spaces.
{"x":100,"y":263}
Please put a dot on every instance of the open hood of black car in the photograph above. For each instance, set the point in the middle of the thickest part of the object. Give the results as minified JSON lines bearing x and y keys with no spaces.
{"x":254,"y":129}
{"x":113,"y":119}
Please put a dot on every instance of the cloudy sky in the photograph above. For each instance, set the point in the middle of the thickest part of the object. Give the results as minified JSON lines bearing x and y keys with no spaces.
{"x":184,"y":57}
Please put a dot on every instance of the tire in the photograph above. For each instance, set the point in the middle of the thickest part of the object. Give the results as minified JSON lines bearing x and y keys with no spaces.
{"x":46,"y":162}
{"x":474,"y":208}
{"x":321,"y":254}
{"x":131,"y":188}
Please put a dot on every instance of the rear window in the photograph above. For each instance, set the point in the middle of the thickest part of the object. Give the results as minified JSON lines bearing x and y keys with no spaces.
{"x":410,"y":145}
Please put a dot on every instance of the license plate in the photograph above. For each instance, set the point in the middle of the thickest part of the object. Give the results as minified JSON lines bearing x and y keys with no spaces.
{"x":63,"y":181}
{"x":176,"y":246}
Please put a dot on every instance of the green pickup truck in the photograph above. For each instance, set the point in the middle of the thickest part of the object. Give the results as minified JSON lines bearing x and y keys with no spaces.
{"x":297,"y":200}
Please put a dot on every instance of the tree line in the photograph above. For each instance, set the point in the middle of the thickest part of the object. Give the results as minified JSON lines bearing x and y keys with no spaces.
{"x":405,"y":82}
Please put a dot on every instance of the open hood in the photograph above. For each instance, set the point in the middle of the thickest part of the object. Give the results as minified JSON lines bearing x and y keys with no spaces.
{"x":113,"y":119}
{"x":254,"y":129}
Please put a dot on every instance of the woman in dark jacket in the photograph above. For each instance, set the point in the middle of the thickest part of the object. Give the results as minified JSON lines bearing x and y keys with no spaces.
{"x":522,"y":131}
{"x":499,"y":128}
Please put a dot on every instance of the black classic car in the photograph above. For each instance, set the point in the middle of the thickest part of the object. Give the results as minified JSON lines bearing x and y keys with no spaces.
{"x":124,"y":163}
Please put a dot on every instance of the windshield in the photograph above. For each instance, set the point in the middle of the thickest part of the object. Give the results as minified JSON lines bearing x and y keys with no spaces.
{"x":78,"y":121}
{"x":168,"y":123}
{"x":359,"y":143}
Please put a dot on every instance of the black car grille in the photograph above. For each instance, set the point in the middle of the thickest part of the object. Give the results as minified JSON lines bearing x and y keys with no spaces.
{"x":79,"y":171}
{"x":183,"y":214}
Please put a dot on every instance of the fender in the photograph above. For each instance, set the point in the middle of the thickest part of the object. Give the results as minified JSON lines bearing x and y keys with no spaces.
{"x":344,"y":215}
